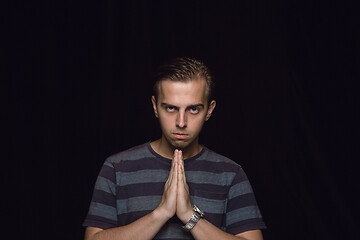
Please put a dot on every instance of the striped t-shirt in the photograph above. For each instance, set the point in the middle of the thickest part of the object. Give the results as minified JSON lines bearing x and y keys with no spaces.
{"x":131,"y":183}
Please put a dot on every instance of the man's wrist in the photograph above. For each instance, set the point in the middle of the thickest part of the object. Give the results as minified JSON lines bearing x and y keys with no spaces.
{"x":186,"y":217}
{"x":160,"y":215}
{"x":197,"y":214}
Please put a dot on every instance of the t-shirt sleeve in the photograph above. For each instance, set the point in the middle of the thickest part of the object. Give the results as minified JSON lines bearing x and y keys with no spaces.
{"x":243,"y":213}
{"x":102,"y":211}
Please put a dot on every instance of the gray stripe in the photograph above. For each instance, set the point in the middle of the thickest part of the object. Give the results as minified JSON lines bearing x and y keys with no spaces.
{"x":142,"y":176}
{"x":215,"y":157}
{"x":101,"y":210}
{"x":221,"y":179}
{"x":135,"y":204}
{"x":105,"y":185}
{"x":134,"y":153}
{"x":109,"y":164}
{"x":172,"y":231}
{"x":241,"y":214}
{"x":240,"y":189}
{"x":209,"y":205}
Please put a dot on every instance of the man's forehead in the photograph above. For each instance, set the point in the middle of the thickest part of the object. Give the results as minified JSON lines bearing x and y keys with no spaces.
{"x":185,"y":85}
{"x":181,"y":91}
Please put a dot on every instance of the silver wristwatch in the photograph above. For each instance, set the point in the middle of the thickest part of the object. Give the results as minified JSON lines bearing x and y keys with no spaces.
{"x":194,"y":218}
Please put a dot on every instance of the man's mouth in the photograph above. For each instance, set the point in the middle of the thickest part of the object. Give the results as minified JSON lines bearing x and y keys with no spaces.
{"x":180,"y":135}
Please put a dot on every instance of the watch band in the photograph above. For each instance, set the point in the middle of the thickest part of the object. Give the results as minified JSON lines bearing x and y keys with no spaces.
{"x":194,"y":218}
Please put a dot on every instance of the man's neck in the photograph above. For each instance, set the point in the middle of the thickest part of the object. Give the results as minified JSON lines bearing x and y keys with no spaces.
{"x":163,"y":148}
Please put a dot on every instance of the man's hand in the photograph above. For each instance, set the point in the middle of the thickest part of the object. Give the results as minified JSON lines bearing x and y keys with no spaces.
{"x":168,"y":201}
{"x":184,"y":209}
{"x":176,"y":198}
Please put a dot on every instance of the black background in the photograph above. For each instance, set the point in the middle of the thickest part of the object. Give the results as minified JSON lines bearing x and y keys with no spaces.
{"x":75,"y":84}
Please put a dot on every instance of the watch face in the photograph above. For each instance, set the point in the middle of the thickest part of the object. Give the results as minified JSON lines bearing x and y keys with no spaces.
{"x":194,"y":218}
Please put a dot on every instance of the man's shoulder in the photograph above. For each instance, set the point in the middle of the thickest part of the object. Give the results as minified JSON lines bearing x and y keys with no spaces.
{"x":210,"y":155}
{"x":134,"y":153}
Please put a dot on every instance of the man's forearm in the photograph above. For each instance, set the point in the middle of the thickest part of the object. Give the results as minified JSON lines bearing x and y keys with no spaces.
{"x":207,"y":231}
{"x":144,"y":228}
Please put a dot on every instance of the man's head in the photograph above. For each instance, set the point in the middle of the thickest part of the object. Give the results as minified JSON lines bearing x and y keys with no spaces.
{"x":184,"y":69}
{"x":182,"y":105}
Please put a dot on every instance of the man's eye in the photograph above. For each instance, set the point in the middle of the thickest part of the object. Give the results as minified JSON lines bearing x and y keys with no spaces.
{"x":170,"y":109}
{"x":194,"y":110}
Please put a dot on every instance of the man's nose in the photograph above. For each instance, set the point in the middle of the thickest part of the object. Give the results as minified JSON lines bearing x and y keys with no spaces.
{"x":181,"y":120}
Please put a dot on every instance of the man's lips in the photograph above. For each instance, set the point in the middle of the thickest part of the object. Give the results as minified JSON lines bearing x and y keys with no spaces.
{"x":180,"y":135}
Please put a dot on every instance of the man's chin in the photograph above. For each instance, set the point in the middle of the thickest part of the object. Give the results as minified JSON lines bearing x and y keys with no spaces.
{"x":181,"y":145}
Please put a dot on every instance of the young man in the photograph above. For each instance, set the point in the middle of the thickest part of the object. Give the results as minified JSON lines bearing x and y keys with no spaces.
{"x":175,"y":188}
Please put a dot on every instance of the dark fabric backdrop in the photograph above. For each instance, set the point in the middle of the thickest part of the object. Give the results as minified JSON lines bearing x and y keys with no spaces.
{"x":75,"y":83}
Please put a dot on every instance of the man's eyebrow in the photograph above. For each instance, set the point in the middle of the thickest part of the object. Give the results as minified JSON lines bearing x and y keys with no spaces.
{"x":196,"y":105}
{"x":164,"y":104}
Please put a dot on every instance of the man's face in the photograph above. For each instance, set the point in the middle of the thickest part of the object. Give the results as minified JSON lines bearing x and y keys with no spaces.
{"x":182,"y":109}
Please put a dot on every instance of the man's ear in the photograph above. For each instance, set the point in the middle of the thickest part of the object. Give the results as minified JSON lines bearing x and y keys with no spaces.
{"x":153,"y":100}
{"x":212,"y":105}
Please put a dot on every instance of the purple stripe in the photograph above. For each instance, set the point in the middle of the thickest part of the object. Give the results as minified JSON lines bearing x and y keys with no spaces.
{"x":197,"y":165}
{"x":104,"y":198}
{"x":241,"y":201}
{"x":108,"y":173}
{"x":240,"y":177}
{"x":128,"y":218}
{"x":100,"y":222}
{"x":140,"y":189}
{"x":246,"y":225}
{"x":217,"y":219}
{"x":208,"y":188}
{"x":141,"y":164}
{"x":205,"y":193}
{"x":156,"y":189}
{"x":211,"y":166}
